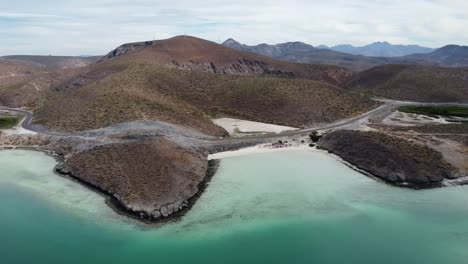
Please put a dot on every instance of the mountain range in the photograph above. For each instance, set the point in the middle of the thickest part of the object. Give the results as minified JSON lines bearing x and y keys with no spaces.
{"x":186,"y":80}
{"x":380,"y":49}
{"x":449,"y":56}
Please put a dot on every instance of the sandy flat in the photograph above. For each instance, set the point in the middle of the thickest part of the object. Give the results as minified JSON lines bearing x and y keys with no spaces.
{"x":398,"y":118}
{"x":264,"y":148}
{"x":238,"y":126}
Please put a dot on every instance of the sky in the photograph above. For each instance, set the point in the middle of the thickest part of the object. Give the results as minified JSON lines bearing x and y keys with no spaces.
{"x":94,"y":27}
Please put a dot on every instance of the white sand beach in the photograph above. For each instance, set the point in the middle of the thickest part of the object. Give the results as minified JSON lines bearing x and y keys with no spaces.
{"x":238,"y":127}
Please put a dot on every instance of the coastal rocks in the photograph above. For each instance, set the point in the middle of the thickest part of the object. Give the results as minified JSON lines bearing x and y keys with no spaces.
{"x":315,"y":136}
{"x":149,"y":179}
{"x":391,"y":159}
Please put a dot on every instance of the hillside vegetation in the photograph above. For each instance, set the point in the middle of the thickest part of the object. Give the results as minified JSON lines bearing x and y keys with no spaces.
{"x":412,"y":82}
{"x":188,"y":81}
{"x":389,"y":158}
{"x":7,"y":122}
{"x":24,"y":82}
{"x":54,"y":62}
{"x":192,"y":98}
{"x":151,"y":178}
{"x":190,"y":53}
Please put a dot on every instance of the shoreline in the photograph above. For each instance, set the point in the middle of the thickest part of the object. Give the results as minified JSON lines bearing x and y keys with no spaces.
{"x":257,"y":149}
{"x":142,"y":217}
{"x":113,"y":202}
{"x":214,"y":160}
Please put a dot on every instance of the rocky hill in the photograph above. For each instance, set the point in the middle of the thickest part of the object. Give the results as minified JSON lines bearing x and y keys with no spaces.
{"x":413,"y":82}
{"x":54,"y":62}
{"x":187,"y":81}
{"x":190,"y":53}
{"x":150,"y":179}
{"x":450,"y":55}
{"x":25,"y":83}
{"x":389,"y":158}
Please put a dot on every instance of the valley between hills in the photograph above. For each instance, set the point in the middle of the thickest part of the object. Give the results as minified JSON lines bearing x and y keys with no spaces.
{"x":137,"y":124}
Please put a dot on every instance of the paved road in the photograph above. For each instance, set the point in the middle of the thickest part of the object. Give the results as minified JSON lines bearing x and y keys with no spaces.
{"x":380,"y":112}
{"x":26,"y":122}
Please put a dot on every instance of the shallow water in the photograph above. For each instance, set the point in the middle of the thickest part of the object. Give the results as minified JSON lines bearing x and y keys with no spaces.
{"x":285,"y":207}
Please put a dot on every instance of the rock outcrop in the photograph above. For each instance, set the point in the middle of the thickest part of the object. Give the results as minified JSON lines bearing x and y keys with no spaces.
{"x":151,"y":179}
{"x":394,"y":160}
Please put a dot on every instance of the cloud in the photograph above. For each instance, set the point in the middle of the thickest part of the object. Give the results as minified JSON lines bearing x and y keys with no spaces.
{"x":27,"y":15}
{"x":97,"y":26}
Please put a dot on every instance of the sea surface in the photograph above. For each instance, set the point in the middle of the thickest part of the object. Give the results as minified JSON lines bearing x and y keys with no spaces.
{"x":284,"y":207}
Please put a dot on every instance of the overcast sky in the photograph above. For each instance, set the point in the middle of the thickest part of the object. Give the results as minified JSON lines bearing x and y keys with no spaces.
{"x":89,"y":27}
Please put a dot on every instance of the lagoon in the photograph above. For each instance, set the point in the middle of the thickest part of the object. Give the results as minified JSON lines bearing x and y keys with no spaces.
{"x":285,"y":207}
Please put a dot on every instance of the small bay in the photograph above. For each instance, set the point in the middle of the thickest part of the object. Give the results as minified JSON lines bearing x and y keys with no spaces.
{"x":284,"y":207}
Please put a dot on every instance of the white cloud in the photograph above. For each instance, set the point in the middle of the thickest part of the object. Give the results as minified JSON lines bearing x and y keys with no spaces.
{"x":95,"y":27}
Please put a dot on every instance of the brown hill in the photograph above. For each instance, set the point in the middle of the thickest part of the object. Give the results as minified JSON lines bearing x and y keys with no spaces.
{"x":411,"y":82}
{"x":152,"y":178}
{"x":392,"y":159}
{"x":449,"y":56}
{"x":185,"y":52}
{"x":15,"y":77}
{"x":25,"y":83}
{"x":54,"y":62}
{"x":168,"y":81}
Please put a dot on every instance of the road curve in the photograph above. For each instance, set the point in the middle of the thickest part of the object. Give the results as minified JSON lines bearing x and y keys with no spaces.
{"x":26,"y":122}
{"x":386,"y":108}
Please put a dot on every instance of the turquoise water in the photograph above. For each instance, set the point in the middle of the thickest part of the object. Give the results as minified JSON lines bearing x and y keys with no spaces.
{"x":286,"y":207}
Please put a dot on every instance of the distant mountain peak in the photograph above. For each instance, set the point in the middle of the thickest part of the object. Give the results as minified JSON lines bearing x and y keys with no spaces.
{"x":296,"y":44}
{"x":453,"y":47}
{"x":230,"y":42}
{"x":380,"y":43}
{"x":382,"y":49}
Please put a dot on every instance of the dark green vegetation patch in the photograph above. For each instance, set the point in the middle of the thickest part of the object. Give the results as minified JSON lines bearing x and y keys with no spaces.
{"x":443,"y":110}
{"x":7,"y":122}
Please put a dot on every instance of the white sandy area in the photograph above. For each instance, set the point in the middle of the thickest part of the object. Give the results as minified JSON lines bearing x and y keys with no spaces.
{"x":238,"y":126}
{"x":264,"y":148}
{"x":398,"y":118}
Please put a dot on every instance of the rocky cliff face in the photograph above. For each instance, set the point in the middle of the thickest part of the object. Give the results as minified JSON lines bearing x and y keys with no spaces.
{"x":391,"y":159}
{"x":126,"y":48}
{"x":242,"y":66}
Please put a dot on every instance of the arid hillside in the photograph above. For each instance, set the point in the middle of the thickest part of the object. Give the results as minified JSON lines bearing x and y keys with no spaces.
{"x":16,"y":86}
{"x":412,"y":82}
{"x":54,"y":62}
{"x":153,"y":178}
{"x":190,"y":98}
{"x":185,"y":52}
{"x":25,"y":83}
{"x":392,"y":159}
{"x":449,"y":56}
{"x":168,"y":81}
